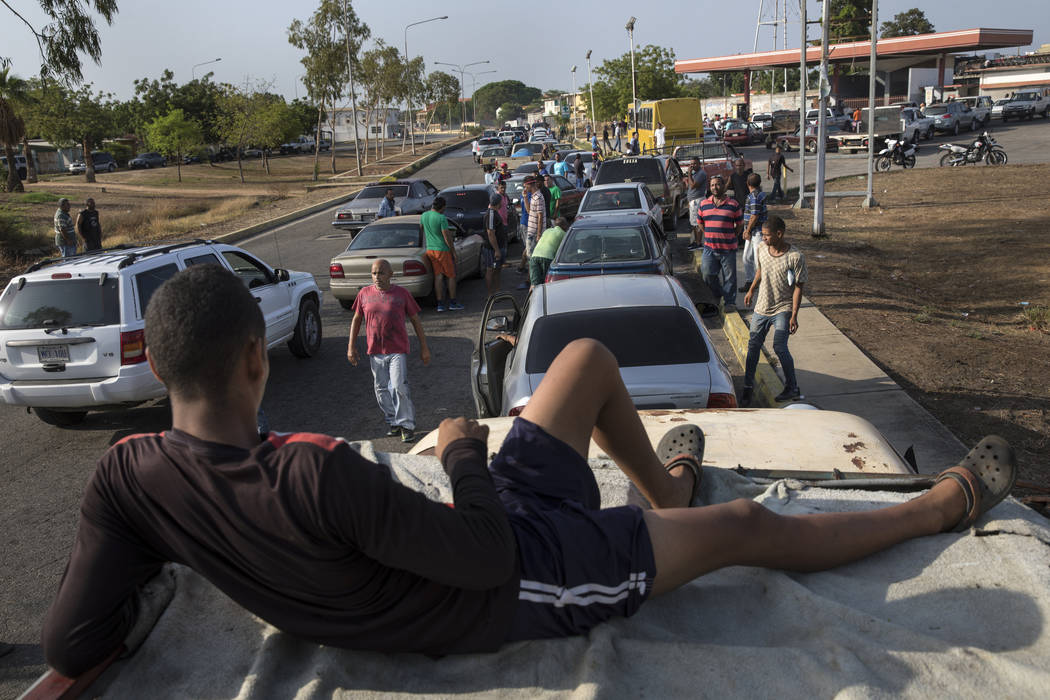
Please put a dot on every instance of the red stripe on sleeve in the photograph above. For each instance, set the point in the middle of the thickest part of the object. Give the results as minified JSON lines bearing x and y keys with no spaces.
{"x":279,"y":440}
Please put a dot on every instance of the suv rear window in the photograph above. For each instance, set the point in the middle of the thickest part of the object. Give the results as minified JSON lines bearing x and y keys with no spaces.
{"x":613,"y":198}
{"x":589,"y":245}
{"x":936,"y":109}
{"x":468,"y":199}
{"x":630,"y":170}
{"x":61,"y":303}
{"x":660,"y":335}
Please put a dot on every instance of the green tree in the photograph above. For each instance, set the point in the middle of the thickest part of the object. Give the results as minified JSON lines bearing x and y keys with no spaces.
{"x":507,"y":111}
{"x":305,"y":114}
{"x":907,"y":23}
{"x":238,"y":119}
{"x":174,"y":135}
{"x":850,"y":20}
{"x":71,"y":33}
{"x":67,"y":117}
{"x":491,"y":96}
{"x":12,"y":126}
{"x":442,"y":90}
{"x":654,"y":77}
{"x":277,"y":123}
{"x":380,"y":80}
{"x":331,"y":35}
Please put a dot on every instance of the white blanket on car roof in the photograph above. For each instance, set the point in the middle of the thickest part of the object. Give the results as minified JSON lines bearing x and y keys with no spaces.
{"x":950,"y":615}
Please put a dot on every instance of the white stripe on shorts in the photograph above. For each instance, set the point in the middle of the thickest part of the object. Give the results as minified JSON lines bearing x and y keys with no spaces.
{"x":585,"y":594}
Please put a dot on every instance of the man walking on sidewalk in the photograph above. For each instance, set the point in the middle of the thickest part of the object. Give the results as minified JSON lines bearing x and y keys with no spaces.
{"x":755,"y":215}
{"x":698,"y":188}
{"x":720,"y":218}
{"x":775,"y":170}
{"x":383,"y":308}
{"x":780,"y":272}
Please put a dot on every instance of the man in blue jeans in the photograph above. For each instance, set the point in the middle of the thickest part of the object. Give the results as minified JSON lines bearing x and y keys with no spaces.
{"x":719,"y":217}
{"x":780,"y":272}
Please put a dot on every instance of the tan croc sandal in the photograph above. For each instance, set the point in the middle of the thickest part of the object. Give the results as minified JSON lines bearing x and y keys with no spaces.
{"x":986,"y":476}
{"x":683,"y":445}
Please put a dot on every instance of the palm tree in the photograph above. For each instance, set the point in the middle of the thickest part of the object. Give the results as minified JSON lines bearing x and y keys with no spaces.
{"x":12,"y":128}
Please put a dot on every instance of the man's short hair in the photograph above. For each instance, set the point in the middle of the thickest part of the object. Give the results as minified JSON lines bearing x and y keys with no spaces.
{"x":197,"y":325}
{"x":439,"y":204}
{"x":775,"y":223}
{"x":754,"y":180}
{"x":716,"y":176}
{"x":63,"y":201}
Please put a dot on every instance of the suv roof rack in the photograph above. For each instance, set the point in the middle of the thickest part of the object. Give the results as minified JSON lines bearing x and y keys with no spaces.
{"x":142,"y":251}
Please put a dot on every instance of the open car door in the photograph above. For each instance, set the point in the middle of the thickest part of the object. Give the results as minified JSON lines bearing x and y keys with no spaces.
{"x":487,"y":362}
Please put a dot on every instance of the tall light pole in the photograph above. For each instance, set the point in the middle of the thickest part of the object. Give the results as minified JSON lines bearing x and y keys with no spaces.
{"x":572,"y":101}
{"x":462,"y":69}
{"x":408,"y":99}
{"x":634,"y":90}
{"x":801,"y":203}
{"x":590,"y":84}
{"x":353,"y":97}
{"x":474,"y":88}
{"x":193,"y":71}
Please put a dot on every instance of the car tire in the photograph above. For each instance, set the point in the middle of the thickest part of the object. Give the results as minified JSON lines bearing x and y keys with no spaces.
{"x":61,"y":419}
{"x":956,"y":133}
{"x":811,"y":147}
{"x":307,"y":338}
{"x":111,"y":167}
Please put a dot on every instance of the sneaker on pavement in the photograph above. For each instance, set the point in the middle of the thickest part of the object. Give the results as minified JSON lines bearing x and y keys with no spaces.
{"x":788,"y":394}
{"x":441,"y":308}
{"x":393,"y":431}
{"x":745,"y":397}
{"x":407,"y":435}
{"x":455,"y":306}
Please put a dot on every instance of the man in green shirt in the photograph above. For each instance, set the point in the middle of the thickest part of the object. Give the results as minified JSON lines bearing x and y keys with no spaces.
{"x":545,"y":250}
{"x":441,"y":252}
{"x":548,"y":182}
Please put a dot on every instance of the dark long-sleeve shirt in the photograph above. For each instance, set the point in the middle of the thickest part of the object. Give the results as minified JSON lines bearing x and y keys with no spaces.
{"x":301,"y":531}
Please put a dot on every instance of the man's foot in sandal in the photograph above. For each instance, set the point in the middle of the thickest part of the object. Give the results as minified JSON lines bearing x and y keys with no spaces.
{"x":985,"y":475}
{"x":681,"y":450}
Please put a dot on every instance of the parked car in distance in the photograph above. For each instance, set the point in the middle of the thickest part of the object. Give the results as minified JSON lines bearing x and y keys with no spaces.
{"x":997,"y":108}
{"x":398,"y":239}
{"x":532,"y":167}
{"x":150,"y":159}
{"x":914,"y":124}
{"x":466,"y":205}
{"x":612,"y":244}
{"x":621,"y":198}
{"x":588,"y":165}
{"x":102,"y":160}
{"x":950,"y":117}
{"x":1025,"y":104}
{"x":667,"y":359}
{"x":741,"y":133}
{"x":834,"y":117}
{"x":764,"y":120}
{"x":410,"y":197}
{"x":72,"y":333}
{"x":981,"y":106}
{"x":526,"y":150}
{"x":788,"y":142}
{"x":661,"y":173}
{"x":716,"y":158}
{"x":20,"y":165}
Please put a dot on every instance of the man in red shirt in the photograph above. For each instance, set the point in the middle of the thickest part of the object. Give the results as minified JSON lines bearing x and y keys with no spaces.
{"x":721,"y":219}
{"x":383,"y":307}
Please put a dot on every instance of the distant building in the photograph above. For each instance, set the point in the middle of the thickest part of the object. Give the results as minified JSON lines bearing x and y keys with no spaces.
{"x":380,"y":122}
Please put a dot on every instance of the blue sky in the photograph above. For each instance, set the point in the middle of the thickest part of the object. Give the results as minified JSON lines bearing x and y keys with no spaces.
{"x":148,"y":36}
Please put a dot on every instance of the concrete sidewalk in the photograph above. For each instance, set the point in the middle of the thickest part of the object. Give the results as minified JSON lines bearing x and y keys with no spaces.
{"x":835,"y":375}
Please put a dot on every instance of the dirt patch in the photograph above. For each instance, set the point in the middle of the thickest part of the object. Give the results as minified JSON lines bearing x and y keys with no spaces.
{"x":946,"y":286}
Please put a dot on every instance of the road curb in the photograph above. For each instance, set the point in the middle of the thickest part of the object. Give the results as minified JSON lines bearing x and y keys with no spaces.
{"x":412,"y":167}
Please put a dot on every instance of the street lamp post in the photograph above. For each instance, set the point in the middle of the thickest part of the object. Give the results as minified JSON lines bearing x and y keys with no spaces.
{"x":474,"y":88}
{"x":462,"y":69}
{"x":590,"y":84}
{"x":408,"y":99}
{"x":193,"y":71}
{"x":572,"y":101}
{"x":634,"y":90}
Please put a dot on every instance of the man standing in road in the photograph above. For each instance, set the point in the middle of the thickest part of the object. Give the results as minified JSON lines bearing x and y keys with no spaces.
{"x":441,"y":251}
{"x":616,"y":135}
{"x":780,"y":272}
{"x":527,"y":193}
{"x":386,"y":207}
{"x":605,"y":139}
{"x":552,"y":187}
{"x":579,"y":171}
{"x":537,"y":220}
{"x":738,"y":182}
{"x":660,"y":135}
{"x":720,"y":219}
{"x":698,"y":189}
{"x":560,"y":166}
{"x":65,"y":231}
{"x":632,"y":147}
{"x":775,"y":170}
{"x":494,"y":249}
{"x":546,"y":248}
{"x":383,"y":308}
{"x":755,"y":216}
{"x":89,"y":227}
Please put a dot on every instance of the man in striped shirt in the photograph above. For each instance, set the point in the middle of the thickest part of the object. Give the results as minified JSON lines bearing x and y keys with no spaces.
{"x":720,"y":218}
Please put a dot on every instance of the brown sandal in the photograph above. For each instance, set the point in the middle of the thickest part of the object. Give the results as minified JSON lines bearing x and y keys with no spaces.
{"x":985,"y":475}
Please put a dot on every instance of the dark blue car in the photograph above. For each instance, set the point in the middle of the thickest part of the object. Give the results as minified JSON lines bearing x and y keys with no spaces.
{"x":612,"y":244}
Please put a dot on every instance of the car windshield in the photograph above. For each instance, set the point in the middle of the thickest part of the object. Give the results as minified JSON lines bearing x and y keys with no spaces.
{"x":660,"y":335}
{"x":61,"y":304}
{"x":1023,"y":97}
{"x":379,"y":192}
{"x":631,"y":170}
{"x":937,"y":109}
{"x":603,"y":245}
{"x":467,"y":199}
{"x":387,"y":236}
{"x":614,"y":198}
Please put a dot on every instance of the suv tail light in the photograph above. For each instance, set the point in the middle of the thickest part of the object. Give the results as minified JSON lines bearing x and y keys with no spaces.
{"x":132,"y":347}
{"x":413,"y":268}
{"x":721,"y":400}
{"x":335,"y":270}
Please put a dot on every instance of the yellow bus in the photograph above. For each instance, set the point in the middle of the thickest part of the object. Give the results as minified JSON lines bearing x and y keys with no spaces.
{"x":679,"y":115}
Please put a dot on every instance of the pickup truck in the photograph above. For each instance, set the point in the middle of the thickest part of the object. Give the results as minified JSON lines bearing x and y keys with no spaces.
{"x":1026,"y":104}
{"x":890,"y":122}
{"x":981,"y":106}
{"x":915,"y":124}
{"x":834,"y":118}
{"x":303,"y":144}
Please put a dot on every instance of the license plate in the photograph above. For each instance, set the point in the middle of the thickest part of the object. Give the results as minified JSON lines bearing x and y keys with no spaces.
{"x":368,"y":217}
{"x":53,"y":353}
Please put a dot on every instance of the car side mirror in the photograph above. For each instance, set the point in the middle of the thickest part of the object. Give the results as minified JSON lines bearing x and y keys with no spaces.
{"x":498,"y":324}
{"x":282,"y":274}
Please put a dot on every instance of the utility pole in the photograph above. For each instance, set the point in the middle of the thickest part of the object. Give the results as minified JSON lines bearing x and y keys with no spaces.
{"x":869,"y":201}
{"x":634,"y":88}
{"x":823,"y":89}
{"x":590,"y":84}
{"x":353,"y":97}
{"x":572,"y":101}
{"x":801,"y":203}
{"x":408,"y":99}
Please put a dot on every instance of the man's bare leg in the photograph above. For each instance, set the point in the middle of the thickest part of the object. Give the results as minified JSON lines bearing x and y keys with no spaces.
{"x":582,"y":396}
{"x":690,"y":542}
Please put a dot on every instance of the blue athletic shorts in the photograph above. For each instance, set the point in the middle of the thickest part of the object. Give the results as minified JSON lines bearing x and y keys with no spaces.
{"x":580,"y":565}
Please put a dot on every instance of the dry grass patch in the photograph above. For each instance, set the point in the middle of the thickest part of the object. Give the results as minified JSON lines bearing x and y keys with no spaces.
{"x":164,"y":219}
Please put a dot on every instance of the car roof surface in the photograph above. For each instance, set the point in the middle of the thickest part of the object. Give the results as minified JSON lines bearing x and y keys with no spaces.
{"x":606,"y":292}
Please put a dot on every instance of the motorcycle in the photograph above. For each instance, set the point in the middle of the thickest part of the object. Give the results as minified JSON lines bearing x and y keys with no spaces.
{"x":984,"y":147}
{"x":897,"y":152}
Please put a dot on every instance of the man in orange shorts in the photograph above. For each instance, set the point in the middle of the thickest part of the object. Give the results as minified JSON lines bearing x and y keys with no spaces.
{"x":441,"y":253}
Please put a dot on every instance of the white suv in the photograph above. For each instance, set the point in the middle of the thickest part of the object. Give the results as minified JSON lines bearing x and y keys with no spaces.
{"x":72,"y":330}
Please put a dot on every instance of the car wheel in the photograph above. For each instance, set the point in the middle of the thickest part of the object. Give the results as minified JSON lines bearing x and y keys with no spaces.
{"x":1031,"y":115}
{"x":811,"y":146}
{"x":1005,"y":118}
{"x":60,"y":418}
{"x":956,"y":127}
{"x":112,"y":167}
{"x":1046,"y":112}
{"x":307,"y":339}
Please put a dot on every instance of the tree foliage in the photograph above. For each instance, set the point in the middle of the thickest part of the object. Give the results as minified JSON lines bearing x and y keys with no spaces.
{"x":442,"y":90}
{"x":155,"y":98}
{"x":67,"y":117}
{"x":12,"y":126}
{"x":71,"y":33}
{"x":907,"y":23}
{"x":174,"y":135}
{"x":655,"y":79}
{"x":491,"y":96}
{"x":850,"y":20}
